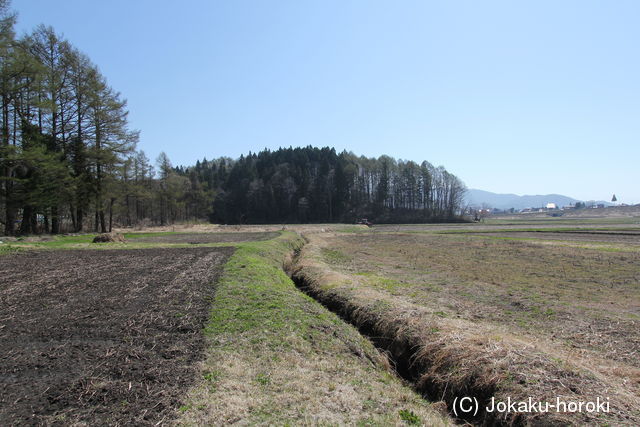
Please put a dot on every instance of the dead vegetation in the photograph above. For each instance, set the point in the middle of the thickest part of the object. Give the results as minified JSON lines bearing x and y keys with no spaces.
{"x":109,"y":238}
{"x":461,"y":325}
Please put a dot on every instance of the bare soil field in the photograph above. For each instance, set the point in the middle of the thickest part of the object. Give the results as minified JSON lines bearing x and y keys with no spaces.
{"x":203,"y":238}
{"x":102,"y":337}
{"x":492,"y":316}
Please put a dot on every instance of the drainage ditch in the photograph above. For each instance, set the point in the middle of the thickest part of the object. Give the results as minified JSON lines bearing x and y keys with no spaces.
{"x":402,"y":353}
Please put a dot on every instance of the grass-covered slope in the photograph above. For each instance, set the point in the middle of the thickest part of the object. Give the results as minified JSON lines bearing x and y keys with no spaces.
{"x":275,"y":356}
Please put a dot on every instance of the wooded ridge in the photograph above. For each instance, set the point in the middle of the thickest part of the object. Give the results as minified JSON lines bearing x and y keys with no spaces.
{"x":318,"y":185}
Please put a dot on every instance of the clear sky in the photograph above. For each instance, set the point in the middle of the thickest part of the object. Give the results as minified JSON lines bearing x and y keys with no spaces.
{"x":525,"y":97}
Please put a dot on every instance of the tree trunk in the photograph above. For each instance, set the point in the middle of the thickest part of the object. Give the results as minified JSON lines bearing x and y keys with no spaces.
{"x":25,"y":225}
{"x":10,"y":215}
{"x":111,"y":213}
{"x":79,"y":219}
{"x":162,"y":211}
{"x":128,"y":211}
{"x":55,"y":221}
{"x":33,"y":218}
{"x":103,"y":223}
{"x":74,"y":222}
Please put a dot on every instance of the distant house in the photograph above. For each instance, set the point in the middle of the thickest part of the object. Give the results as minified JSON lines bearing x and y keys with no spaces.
{"x":551,"y":206}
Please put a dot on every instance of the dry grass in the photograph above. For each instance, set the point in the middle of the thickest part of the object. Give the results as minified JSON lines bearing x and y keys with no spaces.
{"x":275,"y":356}
{"x":218,"y":228}
{"x":586,"y":298}
{"x":491,"y":317}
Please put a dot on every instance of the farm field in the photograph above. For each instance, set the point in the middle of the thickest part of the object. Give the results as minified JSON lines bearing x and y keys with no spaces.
{"x":510,"y":223}
{"x":495,"y":309}
{"x":108,"y":336}
{"x":200,"y":329}
{"x":628,"y":238}
{"x":205,"y":326}
{"x":202,"y":238}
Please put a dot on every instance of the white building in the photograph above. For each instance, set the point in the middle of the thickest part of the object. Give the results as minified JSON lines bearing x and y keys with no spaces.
{"x":551,"y":206}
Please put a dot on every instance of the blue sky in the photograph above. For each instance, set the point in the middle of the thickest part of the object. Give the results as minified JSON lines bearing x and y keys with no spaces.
{"x":525,"y":97}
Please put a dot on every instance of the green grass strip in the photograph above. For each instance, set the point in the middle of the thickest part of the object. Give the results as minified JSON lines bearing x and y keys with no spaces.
{"x":275,"y":356}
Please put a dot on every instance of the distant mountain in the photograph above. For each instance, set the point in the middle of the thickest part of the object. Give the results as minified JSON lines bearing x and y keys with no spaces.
{"x":478,"y":198}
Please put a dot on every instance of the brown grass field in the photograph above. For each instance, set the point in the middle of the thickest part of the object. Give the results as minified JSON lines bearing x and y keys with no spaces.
{"x":502,"y":311}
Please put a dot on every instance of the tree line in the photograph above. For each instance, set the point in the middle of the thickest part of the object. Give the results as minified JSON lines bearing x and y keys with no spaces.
{"x":69,"y":163}
{"x":68,"y":159}
{"x":63,"y":133}
{"x":311,"y":184}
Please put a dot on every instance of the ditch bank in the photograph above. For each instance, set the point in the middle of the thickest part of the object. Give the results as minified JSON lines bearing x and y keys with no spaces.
{"x":275,"y":356}
{"x":402,"y":348}
{"x":447,"y":360}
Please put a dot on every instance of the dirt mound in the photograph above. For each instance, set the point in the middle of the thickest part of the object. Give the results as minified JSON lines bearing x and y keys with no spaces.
{"x":109,"y":238}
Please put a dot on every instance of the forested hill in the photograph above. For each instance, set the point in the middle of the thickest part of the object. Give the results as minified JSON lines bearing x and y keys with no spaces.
{"x":318,"y":185}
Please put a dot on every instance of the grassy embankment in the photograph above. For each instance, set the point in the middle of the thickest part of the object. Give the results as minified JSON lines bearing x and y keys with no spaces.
{"x":278,"y":357}
{"x":464,"y":315}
